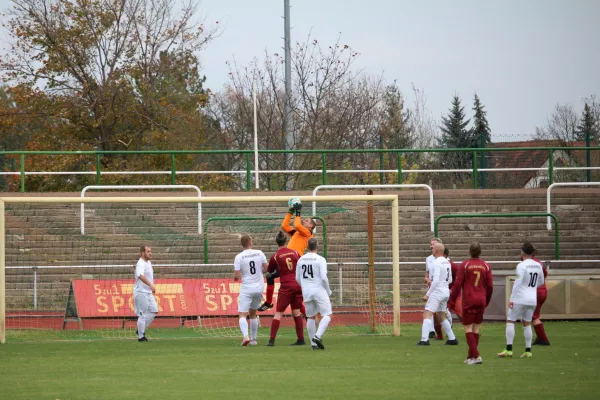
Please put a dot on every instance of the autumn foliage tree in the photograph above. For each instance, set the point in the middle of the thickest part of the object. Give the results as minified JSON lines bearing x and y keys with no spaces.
{"x":104,"y":75}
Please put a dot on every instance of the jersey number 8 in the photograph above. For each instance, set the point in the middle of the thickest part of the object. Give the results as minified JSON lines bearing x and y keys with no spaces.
{"x":252,"y":267}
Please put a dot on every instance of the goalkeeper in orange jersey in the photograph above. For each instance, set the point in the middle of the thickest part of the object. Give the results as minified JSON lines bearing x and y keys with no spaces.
{"x":300,"y":233}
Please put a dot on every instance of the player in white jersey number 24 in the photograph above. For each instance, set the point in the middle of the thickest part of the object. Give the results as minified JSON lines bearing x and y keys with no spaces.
{"x":523,"y":300}
{"x":311,"y":275}
{"x":249,"y":267}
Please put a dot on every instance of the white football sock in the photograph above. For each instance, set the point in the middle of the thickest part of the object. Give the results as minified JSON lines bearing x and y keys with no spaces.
{"x":141,"y":326}
{"x":253,"y":328}
{"x":427,"y":327}
{"x":149,"y":319}
{"x":323,"y":325}
{"x":244,"y":327}
{"x":528,"y":336}
{"x":311,"y":327}
{"x":432,"y":319}
{"x":510,"y":333}
{"x":448,"y":329}
{"x":449,"y":316}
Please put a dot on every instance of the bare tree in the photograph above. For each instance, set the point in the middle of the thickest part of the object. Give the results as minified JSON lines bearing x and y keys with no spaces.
{"x":423,"y":124}
{"x":561,"y":125}
{"x":333,"y":106}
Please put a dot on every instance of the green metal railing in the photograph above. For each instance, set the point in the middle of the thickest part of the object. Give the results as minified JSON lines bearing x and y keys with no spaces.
{"x":267,"y":218}
{"x":505,"y":215}
{"x":477,"y":152}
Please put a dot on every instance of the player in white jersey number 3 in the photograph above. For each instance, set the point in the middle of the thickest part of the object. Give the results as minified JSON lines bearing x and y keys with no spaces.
{"x":249,"y":266}
{"x":437,"y":297}
{"x":311,"y":275}
{"x":523,"y":300}
{"x":143,"y":293}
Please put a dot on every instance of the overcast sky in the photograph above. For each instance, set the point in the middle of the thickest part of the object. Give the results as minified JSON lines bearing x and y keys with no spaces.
{"x":521,"y":56}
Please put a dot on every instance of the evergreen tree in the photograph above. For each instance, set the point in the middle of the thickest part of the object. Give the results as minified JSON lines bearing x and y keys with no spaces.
{"x":395,"y":128}
{"x":456,"y":135}
{"x":586,"y":124}
{"x":481,"y":126}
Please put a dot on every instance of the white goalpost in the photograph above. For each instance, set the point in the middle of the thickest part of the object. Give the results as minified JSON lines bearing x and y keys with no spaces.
{"x":56,"y":283}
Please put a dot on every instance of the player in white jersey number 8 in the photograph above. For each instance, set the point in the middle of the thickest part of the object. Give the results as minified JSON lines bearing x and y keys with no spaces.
{"x":249,"y":267}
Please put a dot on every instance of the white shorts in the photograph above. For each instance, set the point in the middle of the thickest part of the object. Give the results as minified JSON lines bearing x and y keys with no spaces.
{"x":521,"y":312}
{"x":144,"y":303}
{"x":436,"y":304}
{"x":249,"y":301}
{"x":318,"y":305}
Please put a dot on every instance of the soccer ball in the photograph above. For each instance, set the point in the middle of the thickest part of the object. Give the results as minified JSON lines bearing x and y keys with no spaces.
{"x":293,"y":201}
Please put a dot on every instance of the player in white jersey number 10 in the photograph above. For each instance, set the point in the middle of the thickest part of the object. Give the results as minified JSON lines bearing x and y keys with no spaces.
{"x":249,"y":267}
{"x":523,"y":300}
{"x":311,"y":275}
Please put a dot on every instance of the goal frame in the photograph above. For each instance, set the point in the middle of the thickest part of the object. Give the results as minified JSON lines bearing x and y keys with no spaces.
{"x":393,"y":199}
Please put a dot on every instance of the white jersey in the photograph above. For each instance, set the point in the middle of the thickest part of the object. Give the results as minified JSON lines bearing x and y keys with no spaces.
{"x":441,"y":278}
{"x":250,"y":263}
{"x":429,"y":265}
{"x":143,"y":268}
{"x":530,"y":275}
{"x":311,"y":275}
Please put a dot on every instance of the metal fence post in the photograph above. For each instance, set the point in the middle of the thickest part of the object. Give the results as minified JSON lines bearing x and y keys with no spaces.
{"x":98,"y":166}
{"x":22,"y":172}
{"x":399,"y":154}
{"x":173,"y":169}
{"x":324,"y":168}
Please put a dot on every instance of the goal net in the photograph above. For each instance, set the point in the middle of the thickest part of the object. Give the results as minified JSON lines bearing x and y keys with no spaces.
{"x":62,"y":284}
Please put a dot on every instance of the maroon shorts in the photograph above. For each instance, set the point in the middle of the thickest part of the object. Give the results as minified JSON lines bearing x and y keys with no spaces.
{"x":472,"y":315}
{"x":287,"y":297}
{"x":541,"y":298}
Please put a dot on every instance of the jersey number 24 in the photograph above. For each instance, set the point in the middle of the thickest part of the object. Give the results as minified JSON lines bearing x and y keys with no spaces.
{"x":307,"y":270}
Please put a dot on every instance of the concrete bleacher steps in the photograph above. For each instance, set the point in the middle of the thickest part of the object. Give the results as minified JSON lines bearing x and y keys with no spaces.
{"x":49,"y":235}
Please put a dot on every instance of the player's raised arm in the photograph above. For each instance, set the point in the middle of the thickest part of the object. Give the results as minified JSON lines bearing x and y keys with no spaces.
{"x":285,"y":225}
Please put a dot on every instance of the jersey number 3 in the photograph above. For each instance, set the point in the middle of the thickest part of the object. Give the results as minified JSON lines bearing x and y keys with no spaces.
{"x":307,"y":270}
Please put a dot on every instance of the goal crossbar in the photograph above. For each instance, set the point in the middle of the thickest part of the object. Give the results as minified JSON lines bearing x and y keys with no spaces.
{"x":393,"y":199}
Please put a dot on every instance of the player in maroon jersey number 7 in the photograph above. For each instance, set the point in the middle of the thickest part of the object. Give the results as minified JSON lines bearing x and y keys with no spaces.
{"x":474,"y":279}
{"x":290,"y":293}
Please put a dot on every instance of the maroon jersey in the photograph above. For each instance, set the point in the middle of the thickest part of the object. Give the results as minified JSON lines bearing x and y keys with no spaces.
{"x":474,"y":278}
{"x":542,"y":289}
{"x":454,"y":267}
{"x":285,"y":262}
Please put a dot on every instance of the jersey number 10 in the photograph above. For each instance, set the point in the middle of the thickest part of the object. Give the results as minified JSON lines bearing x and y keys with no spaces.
{"x":532,"y":279}
{"x":307,"y":270}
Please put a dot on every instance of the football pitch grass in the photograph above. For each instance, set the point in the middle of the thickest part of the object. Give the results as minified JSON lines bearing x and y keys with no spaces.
{"x":351,"y":367}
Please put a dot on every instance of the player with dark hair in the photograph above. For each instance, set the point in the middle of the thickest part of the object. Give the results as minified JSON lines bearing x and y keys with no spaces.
{"x":474,"y":280}
{"x":290,"y":293}
{"x":523,"y":300}
{"x":300,"y":233}
{"x":542,"y":292}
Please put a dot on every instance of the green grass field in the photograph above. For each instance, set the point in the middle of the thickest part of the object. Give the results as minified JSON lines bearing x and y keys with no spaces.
{"x":352,"y":367}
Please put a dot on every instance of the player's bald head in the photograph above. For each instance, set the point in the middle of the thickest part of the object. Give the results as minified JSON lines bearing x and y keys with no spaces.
{"x":438,"y":249}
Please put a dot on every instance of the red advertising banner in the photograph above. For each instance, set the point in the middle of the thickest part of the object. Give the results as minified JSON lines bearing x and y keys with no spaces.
{"x":174,"y":297}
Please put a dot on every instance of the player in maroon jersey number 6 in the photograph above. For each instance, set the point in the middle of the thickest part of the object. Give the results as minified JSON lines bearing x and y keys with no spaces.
{"x":283,"y":263}
{"x":474,"y":279}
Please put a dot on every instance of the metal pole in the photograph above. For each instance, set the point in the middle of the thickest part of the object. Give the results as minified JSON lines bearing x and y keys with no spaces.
{"x":35,"y":288}
{"x":371,"y":264}
{"x":2,"y":276}
{"x":256,"y":178}
{"x":588,"y":161}
{"x":287,"y":122}
{"x":341,"y":281}
{"x":482,"y":174}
